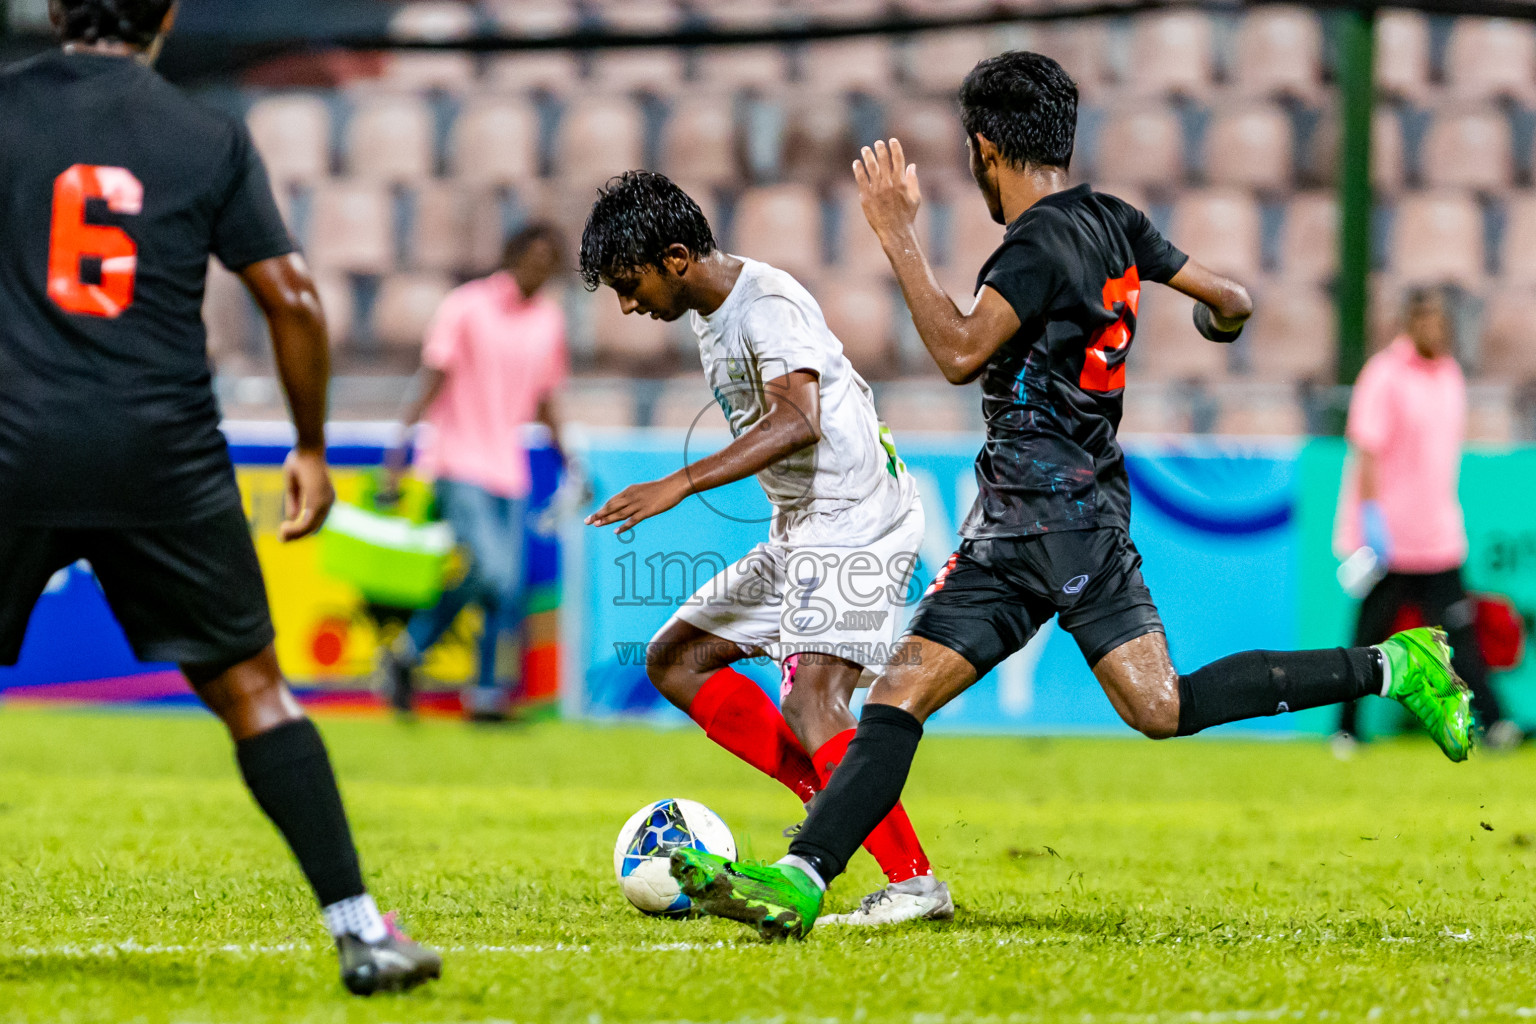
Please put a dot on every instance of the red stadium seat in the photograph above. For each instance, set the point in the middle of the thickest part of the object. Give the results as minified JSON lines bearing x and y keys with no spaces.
{"x":933,"y":139}
{"x":552,"y":71}
{"x":860,"y":313}
{"x":1309,"y":239}
{"x":352,"y":227}
{"x":1387,"y":158}
{"x":1469,"y":149}
{"x":534,"y":18}
{"x":1170,"y":55}
{"x":442,"y":228}
{"x":1166,"y":345}
{"x":1250,"y":146}
{"x":1082,"y":48}
{"x":937,"y":62}
{"x":336,"y":298}
{"x":859,"y":251}
{"x":701,"y":140}
{"x":1518,"y":262}
{"x":863,"y":64}
{"x":657,"y":71}
{"x":1508,"y":350}
{"x":818,"y":144}
{"x":1141,"y":146}
{"x":1220,"y":228}
{"x":1279,"y":52}
{"x":1438,"y":237}
{"x":405,"y":307}
{"x":598,"y":139}
{"x":433,"y":21}
{"x":641,"y":16}
{"x":743,"y":67}
{"x":1402,"y":55}
{"x":496,"y":142}
{"x":423,"y":72}
{"x":1488,"y":58}
{"x":391,"y":138}
{"x":1293,"y":334}
{"x":293,"y":134}
{"x":781,"y":225}
{"x":973,"y":234}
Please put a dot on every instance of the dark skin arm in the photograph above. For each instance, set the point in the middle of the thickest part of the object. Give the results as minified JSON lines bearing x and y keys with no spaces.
{"x":791,"y":424}
{"x":285,"y":293}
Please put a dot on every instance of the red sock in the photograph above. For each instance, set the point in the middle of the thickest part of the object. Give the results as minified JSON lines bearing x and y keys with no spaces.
{"x":738,"y":715}
{"x":893,"y":843}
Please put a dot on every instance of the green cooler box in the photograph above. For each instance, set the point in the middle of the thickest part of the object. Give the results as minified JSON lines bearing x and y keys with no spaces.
{"x":390,"y":559}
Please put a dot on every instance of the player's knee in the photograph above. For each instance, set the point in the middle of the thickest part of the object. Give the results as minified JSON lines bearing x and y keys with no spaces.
{"x":1156,"y":718}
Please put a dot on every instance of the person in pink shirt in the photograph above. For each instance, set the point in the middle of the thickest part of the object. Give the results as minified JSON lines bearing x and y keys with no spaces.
{"x":1407,"y":422}
{"x":493,"y":362}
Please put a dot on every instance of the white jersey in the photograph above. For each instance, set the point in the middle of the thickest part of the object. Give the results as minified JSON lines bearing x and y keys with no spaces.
{"x":850,"y":487}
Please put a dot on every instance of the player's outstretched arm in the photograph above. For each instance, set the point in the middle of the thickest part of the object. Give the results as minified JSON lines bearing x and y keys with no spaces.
{"x":1222,"y":305}
{"x":285,"y":292}
{"x":791,"y":424}
{"x":960,"y":341}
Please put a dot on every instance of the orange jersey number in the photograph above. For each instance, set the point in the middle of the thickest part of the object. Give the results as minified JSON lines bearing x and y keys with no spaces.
{"x":1121,"y":295}
{"x":91,"y":267}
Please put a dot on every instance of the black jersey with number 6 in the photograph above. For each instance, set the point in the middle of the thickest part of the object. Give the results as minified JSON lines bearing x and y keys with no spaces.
{"x":1071,"y":266}
{"x":115,"y":189}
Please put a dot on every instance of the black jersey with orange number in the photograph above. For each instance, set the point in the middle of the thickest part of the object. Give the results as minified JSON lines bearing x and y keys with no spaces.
{"x":1071,"y":266}
{"x":115,"y":189}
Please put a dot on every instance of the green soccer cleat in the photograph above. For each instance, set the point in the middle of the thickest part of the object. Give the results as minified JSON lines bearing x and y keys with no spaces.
{"x":780,"y":902}
{"x":1424,"y":682}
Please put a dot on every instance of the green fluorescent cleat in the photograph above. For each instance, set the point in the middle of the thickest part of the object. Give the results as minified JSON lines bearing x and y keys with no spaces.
{"x":1424,"y":682}
{"x":779,"y":901}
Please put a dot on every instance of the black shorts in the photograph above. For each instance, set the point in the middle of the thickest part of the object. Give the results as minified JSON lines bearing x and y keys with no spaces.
{"x":993,"y":595}
{"x":191,"y":593}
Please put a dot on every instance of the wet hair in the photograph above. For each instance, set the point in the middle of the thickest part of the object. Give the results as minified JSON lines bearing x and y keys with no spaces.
{"x":525,"y":237}
{"x":135,"y":22}
{"x":1025,"y":105}
{"x":637,"y":216}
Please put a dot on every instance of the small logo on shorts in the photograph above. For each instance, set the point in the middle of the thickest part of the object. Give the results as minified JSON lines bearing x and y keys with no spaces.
{"x":1075,"y":585}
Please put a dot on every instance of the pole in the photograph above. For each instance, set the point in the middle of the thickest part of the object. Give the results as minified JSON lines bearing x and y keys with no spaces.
{"x":1357,"y":52}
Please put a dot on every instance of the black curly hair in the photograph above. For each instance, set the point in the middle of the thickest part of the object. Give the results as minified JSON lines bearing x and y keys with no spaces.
{"x":636,"y":217}
{"x":1025,"y":104}
{"x":135,"y":22}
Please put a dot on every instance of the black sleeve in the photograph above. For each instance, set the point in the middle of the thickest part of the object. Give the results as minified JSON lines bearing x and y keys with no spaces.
{"x":1024,"y":273}
{"x":1157,"y":259}
{"x":248,"y":228}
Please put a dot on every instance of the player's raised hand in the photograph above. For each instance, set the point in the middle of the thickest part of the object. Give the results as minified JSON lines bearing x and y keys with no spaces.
{"x":639,"y":502}
{"x":888,"y":188}
{"x":308,"y":494}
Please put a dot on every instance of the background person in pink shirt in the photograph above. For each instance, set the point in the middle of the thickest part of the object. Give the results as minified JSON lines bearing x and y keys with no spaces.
{"x":1407,"y":422}
{"x":493,"y":361}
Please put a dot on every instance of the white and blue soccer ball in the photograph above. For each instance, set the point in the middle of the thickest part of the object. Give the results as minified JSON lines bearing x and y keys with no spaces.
{"x":642,"y":855}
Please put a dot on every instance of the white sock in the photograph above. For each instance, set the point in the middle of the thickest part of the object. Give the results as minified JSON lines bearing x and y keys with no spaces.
{"x":1386,"y":673}
{"x":357,"y":915}
{"x":792,"y":861}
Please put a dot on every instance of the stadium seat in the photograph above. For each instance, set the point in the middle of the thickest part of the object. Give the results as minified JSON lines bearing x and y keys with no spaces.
{"x":404,"y":309}
{"x":1083,"y":49}
{"x":973,"y":234}
{"x":781,"y":225}
{"x":1122,"y":190}
{"x":1508,"y":352}
{"x":1141,"y":146}
{"x":1402,"y":55}
{"x":554,"y":71}
{"x":1170,"y":55}
{"x":1468,"y":149}
{"x":599,"y":137}
{"x":1321,"y":157}
{"x":1293,"y":333}
{"x":433,"y":21}
{"x":336,"y":298}
{"x":641,"y":16}
{"x":740,"y":14}
{"x":1309,"y":238}
{"x":1438,"y":236}
{"x":1250,"y":146}
{"x":1166,"y":345}
{"x":293,"y":134}
{"x":743,"y":67}
{"x":441,"y":228}
{"x":926,"y":404}
{"x":1517,"y":264}
{"x":860,"y":313}
{"x":1220,"y":227}
{"x":633,"y":344}
{"x":1279,"y":53}
{"x":228,"y":315}
{"x":653,"y":70}
{"x":598,"y":403}
{"x":685,"y":403}
{"x":391,"y":138}
{"x":495,"y":142}
{"x":1491,"y":58}
{"x":859,"y":252}
{"x":817,"y":145}
{"x":534,"y":18}
{"x":834,"y":66}
{"x":700,"y":143}
{"x":937,"y":62}
{"x":933,"y":139}
{"x":352,"y":227}
{"x":425,"y":72}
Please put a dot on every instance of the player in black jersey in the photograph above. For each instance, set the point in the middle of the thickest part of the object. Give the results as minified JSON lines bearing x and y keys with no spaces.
{"x":115,"y":189}
{"x":1047,"y":335}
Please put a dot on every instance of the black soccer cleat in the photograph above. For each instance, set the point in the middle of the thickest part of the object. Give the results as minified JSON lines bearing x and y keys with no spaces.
{"x":393,"y":964}
{"x":395,"y":683}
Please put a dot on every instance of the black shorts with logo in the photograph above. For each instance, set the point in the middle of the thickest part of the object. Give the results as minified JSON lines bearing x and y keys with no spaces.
{"x":994,"y":594}
{"x":189,"y":593}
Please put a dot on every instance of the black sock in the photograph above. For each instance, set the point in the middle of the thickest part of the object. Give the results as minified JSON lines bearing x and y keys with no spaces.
{"x":289,"y":774}
{"x":861,"y":792}
{"x":1259,"y":683}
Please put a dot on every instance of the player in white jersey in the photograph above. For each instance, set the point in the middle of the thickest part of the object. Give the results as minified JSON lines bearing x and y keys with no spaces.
{"x":823,"y":595}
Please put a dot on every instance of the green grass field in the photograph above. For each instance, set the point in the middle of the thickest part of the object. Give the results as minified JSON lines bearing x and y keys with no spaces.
{"x":1098,"y":881}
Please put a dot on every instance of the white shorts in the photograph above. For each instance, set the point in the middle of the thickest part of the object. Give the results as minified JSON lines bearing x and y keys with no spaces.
{"x":782,"y":599}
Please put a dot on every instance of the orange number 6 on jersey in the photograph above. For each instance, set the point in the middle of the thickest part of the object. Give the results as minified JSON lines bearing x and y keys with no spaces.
{"x":91,"y":267}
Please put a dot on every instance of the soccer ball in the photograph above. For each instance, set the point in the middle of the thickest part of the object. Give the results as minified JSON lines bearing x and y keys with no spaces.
{"x":641,"y":857}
